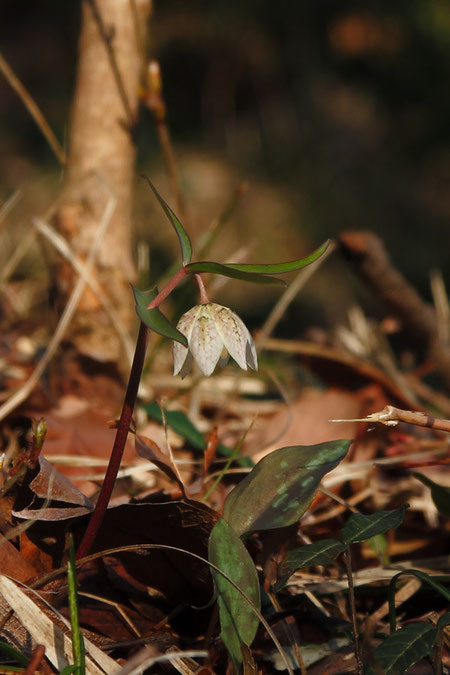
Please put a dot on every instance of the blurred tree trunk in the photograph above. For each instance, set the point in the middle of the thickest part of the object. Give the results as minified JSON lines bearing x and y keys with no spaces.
{"x":101,"y":159}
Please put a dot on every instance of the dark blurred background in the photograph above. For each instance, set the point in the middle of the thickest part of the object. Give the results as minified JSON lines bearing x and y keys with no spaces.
{"x":336,"y":113}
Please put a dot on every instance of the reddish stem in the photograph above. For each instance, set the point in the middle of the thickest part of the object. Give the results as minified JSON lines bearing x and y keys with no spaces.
{"x":201,"y":287}
{"x":119,"y":444}
{"x":36,"y":660}
{"x":168,"y":288}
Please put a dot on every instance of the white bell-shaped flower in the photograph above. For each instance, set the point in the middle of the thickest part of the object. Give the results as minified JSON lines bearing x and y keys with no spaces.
{"x":211,"y":331}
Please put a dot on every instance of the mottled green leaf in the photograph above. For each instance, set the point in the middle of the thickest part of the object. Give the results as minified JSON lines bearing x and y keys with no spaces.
{"x":281,"y":486}
{"x":154,"y":318}
{"x":439,"y":493}
{"x":182,"y":425}
{"x":185,"y":242}
{"x":232,"y":272}
{"x":322,"y":552}
{"x":238,"y":620}
{"x":360,"y":527}
{"x":402,"y":649}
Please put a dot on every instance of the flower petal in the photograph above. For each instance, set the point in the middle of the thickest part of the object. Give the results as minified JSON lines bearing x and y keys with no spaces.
{"x":180,"y":354}
{"x":205,"y":342}
{"x":187,"y":366}
{"x":250,"y":353}
{"x":185,"y":325}
{"x":233,"y":333}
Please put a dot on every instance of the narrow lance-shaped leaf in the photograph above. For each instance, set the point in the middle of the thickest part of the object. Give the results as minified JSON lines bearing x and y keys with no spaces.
{"x":154,"y":318}
{"x":183,"y":238}
{"x":322,"y":552}
{"x":277,"y":268}
{"x":440,"y":494}
{"x":279,"y":489}
{"x":401,"y":650}
{"x":233,"y":273}
{"x":238,"y":620}
{"x":360,"y":527}
{"x":423,"y":576}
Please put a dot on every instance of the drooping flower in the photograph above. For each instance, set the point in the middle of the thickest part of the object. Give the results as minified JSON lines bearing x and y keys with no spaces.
{"x":211,"y":331}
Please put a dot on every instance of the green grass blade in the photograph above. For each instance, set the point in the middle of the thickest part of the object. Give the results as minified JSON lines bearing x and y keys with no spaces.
{"x":77,"y":638}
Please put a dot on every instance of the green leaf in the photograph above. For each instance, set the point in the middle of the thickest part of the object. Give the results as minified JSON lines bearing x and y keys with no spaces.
{"x":185,"y":242}
{"x":322,"y":552}
{"x":154,"y":318}
{"x":13,"y":654}
{"x":443,"y":621}
{"x":182,"y":425}
{"x":229,"y":271}
{"x":423,"y":576}
{"x":238,"y":620}
{"x":277,"y":268}
{"x":402,"y":649}
{"x":439,"y":494}
{"x":281,"y":486}
{"x":360,"y":527}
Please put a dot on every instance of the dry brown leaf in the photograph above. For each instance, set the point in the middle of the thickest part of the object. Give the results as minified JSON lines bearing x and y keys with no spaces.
{"x":58,"y":646}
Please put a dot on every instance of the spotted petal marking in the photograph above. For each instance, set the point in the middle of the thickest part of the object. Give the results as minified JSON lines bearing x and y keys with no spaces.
{"x":205,"y":342}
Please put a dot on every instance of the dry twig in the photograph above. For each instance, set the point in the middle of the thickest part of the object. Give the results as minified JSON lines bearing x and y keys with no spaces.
{"x":33,"y":109}
{"x":391,"y":416}
{"x":366,"y":252}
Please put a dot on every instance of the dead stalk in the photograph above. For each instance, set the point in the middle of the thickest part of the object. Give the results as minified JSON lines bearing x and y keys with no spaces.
{"x":33,"y":109}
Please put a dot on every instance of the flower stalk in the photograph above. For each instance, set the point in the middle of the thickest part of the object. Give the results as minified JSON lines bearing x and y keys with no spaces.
{"x":115,"y":459}
{"x":207,"y":333}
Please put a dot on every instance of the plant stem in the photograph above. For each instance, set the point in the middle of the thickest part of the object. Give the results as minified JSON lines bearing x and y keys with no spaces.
{"x":351,"y":593}
{"x":201,"y":287}
{"x":168,"y":288}
{"x":36,"y":660}
{"x":119,"y":444}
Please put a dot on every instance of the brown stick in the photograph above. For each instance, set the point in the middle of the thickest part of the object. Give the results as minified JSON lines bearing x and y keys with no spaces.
{"x":369,"y":257}
{"x":153,"y":98}
{"x":33,"y":109}
{"x":108,"y":37}
{"x":391,"y":416}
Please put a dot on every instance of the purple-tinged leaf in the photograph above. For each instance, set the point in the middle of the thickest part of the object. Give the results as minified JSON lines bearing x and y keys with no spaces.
{"x":279,"y":489}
